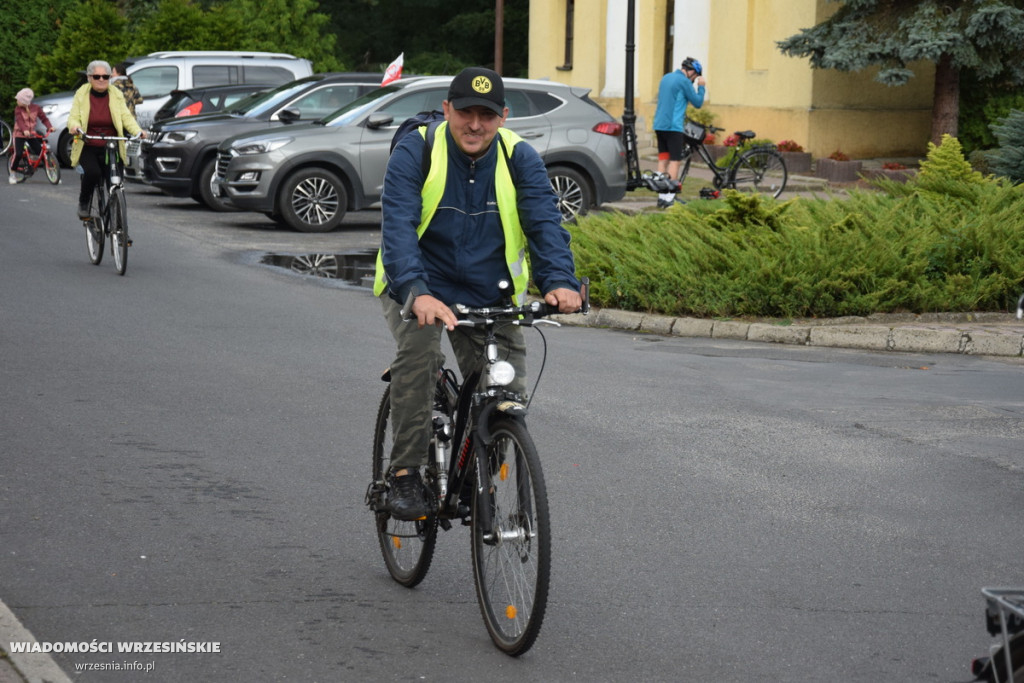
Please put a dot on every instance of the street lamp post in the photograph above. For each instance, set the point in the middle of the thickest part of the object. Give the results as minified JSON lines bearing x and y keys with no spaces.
{"x":633,"y":177}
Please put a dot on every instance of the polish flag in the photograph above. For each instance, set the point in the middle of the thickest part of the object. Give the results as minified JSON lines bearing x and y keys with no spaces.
{"x":394,"y":70}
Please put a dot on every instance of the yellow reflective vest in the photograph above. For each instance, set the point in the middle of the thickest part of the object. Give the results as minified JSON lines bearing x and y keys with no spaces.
{"x":505,"y":189}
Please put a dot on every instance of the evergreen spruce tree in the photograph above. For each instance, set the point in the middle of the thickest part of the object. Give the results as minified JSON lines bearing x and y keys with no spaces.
{"x":985,"y":36}
{"x":1008,"y":160}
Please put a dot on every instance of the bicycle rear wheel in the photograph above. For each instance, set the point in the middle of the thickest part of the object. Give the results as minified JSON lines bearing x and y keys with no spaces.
{"x":759,"y":170}
{"x":119,"y":229}
{"x":52,"y":168}
{"x":512,"y":559}
{"x":407,"y":547}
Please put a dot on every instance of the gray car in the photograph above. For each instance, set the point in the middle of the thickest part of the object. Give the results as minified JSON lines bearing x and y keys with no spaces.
{"x":308,"y":176}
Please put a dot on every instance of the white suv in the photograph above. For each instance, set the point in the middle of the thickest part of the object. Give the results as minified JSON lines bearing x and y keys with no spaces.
{"x":158,"y":73}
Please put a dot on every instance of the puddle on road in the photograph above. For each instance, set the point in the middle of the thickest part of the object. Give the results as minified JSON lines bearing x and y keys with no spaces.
{"x":354,"y":268}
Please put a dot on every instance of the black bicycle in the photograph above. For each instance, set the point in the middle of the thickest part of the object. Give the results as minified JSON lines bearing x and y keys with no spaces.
{"x":760,"y":168}
{"x":485,"y":472}
{"x":109,"y":211}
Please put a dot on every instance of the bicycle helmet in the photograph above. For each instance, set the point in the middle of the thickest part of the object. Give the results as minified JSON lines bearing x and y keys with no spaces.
{"x":691,"y":63}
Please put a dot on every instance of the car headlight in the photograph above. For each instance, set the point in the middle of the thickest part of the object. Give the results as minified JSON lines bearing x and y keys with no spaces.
{"x":500,"y":373}
{"x":261,"y":146}
{"x":50,"y":109}
{"x":176,"y":137}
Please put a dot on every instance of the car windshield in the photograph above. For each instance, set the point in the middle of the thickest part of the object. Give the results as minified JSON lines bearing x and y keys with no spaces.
{"x":354,"y":109}
{"x":263,"y":102}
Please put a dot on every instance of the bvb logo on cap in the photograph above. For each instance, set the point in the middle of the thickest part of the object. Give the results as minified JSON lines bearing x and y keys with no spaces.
{"x":482,"y":85}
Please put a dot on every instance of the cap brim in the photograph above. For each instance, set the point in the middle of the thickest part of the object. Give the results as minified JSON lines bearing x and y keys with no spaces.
{"x":467,"y":102}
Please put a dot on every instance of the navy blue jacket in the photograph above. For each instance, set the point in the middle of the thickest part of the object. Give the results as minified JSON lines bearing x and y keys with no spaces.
{"x":461,"y":256}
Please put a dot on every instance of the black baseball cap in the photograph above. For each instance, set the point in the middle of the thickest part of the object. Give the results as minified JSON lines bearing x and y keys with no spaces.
{"x":476,"y":85}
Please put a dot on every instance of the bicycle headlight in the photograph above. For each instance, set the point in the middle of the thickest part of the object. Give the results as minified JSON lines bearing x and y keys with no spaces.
{"x":262,"y":146}
{"x":500,"y":373}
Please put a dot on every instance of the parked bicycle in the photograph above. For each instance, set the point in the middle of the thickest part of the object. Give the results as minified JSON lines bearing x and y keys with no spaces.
{"x":6,"y":138}
{"x":1004,"y":620}
{"x":31,"y":162}
{"x":485,"y":472}
{"x":758,"y":169}
{"x":109,"y":211}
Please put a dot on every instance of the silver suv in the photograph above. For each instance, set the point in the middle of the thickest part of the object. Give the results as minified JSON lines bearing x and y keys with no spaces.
{"x":308,"y":176}
{"x":159,"y":73}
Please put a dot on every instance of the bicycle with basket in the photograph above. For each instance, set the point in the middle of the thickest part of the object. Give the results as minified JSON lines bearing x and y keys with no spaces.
{"x":753,"y":168}
{"x":109,"y":212}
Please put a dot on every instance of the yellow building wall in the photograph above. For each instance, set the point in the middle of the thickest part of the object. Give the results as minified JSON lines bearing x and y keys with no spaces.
{"x":751,"y":85}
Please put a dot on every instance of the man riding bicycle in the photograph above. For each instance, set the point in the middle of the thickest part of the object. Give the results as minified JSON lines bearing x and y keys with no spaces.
{"x":450,"y":230}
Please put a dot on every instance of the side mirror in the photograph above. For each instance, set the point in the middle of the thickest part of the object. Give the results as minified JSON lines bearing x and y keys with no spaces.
{"x":379,"y":121}
{"x":289,"y":115}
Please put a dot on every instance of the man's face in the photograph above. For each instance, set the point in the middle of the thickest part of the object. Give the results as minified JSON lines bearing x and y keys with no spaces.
{"x":99,"y":84}
{"x":473,"y":128}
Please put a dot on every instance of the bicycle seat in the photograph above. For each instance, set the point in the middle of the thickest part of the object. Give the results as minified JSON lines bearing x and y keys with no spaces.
{"x":745,"y":134}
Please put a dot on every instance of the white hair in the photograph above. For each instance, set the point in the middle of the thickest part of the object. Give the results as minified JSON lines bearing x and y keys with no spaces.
{"x":95,"y":64}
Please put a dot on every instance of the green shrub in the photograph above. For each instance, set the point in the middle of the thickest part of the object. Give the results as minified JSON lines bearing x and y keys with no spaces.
{"x":947,"y":240}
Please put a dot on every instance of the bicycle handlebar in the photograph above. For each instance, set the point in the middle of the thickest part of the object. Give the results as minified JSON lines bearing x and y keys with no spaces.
{"x":86,"y":136}
{"x":529,"y":312}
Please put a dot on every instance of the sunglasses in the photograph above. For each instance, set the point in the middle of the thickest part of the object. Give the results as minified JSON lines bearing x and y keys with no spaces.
{"x":102,"y":77}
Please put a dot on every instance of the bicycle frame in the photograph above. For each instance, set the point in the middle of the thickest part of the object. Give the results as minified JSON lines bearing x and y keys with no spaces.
{"x":29,"y":164}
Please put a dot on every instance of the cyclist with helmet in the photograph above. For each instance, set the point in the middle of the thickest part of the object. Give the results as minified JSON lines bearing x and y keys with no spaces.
{"x":678,"y":88}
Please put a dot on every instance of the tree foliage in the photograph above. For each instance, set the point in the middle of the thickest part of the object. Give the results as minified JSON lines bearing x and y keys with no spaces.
{"x":436,"y":36}
{"x":983,"y":36}
{"x":1008,"y":160}
{"x":27,"y":28}
{"x":91,"y":30}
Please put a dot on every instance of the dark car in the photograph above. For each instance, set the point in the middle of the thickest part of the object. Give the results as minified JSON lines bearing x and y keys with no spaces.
{"x":308,"y":176}
{"x":180,"y":155}
{"x":214,"y":98}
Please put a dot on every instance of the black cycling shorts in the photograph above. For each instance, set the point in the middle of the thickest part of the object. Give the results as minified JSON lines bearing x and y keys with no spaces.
{"x":671,"y":141}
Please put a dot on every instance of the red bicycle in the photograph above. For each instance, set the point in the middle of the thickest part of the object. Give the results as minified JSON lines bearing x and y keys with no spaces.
{"x":31,"y":162}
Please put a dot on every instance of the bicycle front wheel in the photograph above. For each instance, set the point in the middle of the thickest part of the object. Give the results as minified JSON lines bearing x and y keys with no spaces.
{"x":6,"y":139}
{"x":119,"y":229}
{"x":52,"y":168}
{"x":759,"y":170}
{"x":512,"y":558}
{"x":407,"y":547}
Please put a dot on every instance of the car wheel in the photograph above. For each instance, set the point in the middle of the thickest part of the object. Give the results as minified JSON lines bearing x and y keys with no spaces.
{"x":209,"y":193}
{"x":572,"y":190}
{"x":313,"y":200}
{"x":64,"y":149}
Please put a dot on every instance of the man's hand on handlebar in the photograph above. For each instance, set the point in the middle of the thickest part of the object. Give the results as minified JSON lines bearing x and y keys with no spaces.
{"x":429,"y":310}
{"x":567,"y":300}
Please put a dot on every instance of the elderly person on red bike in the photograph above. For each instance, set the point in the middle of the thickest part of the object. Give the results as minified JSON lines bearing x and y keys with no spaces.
{"x":99,"y":110}
{"x":26,"y":117}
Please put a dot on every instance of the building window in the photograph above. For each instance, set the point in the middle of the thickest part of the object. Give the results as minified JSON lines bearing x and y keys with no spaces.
{"x":570,"y":9}
{"x":670,"y":37}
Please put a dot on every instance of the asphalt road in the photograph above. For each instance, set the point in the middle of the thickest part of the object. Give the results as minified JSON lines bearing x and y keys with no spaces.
{"x":185,"y":450}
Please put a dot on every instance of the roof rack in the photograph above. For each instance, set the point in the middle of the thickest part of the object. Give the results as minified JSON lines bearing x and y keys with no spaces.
{"x":220,"y":53}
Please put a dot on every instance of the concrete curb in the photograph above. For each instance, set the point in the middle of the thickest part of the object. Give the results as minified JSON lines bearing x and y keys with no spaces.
{"x":970,"y":334}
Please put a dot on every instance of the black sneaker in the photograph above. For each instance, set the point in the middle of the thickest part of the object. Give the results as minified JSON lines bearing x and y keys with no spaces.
{"x":83,"y":211}
{"x":406,"y":497}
